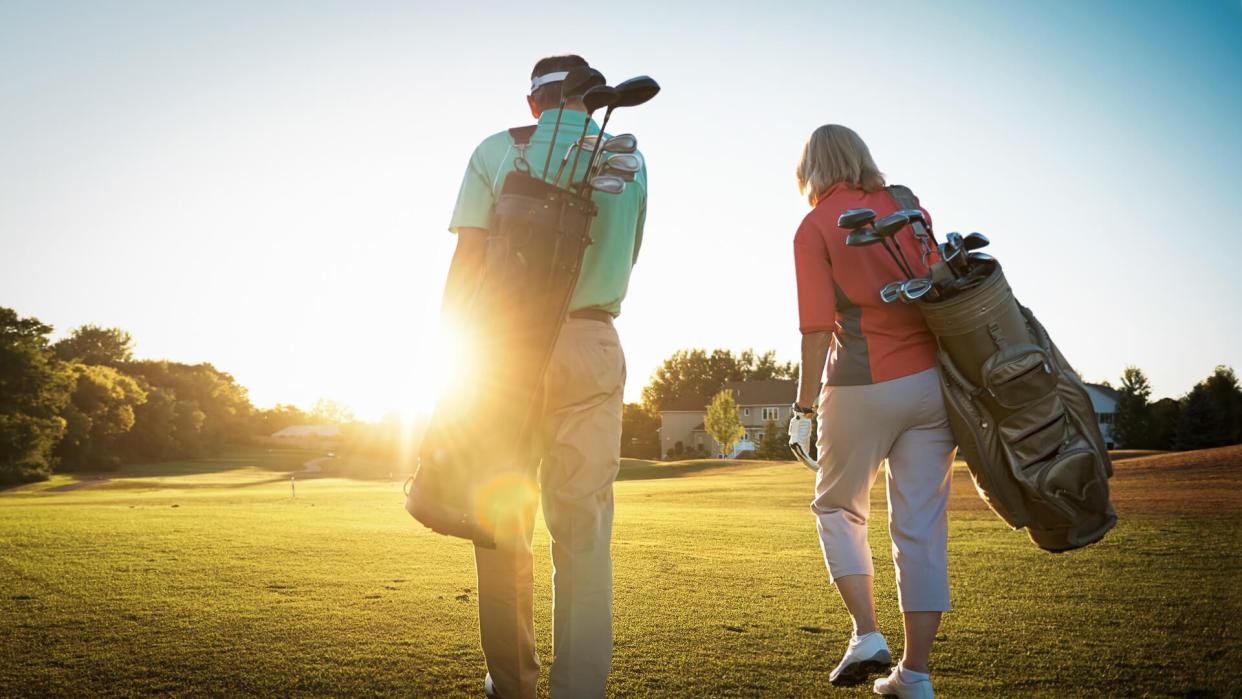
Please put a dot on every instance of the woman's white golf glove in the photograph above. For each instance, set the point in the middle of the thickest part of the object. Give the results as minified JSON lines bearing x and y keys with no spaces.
{"x":800,"y":436}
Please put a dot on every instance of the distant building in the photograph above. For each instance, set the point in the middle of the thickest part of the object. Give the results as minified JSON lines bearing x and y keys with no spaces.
{"x":758,"y":402}
{"x":1104,"y":401}
{"x":308,"y":432}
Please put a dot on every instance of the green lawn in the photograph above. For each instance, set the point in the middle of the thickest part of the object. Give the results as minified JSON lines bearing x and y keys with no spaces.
{"x":206,"y":577}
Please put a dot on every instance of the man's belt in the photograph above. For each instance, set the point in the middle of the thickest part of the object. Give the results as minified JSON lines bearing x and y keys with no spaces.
{"x":592,"y":314}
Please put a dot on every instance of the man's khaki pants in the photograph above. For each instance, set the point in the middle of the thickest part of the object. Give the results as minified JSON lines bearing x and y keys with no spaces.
{"x":580,"y":455}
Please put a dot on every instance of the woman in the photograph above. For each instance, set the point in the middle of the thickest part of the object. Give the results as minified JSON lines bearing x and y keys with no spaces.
{"x":880,"y":400}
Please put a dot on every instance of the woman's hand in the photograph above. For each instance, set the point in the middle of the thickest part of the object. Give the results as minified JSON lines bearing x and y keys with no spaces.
{"x":800,"y":436}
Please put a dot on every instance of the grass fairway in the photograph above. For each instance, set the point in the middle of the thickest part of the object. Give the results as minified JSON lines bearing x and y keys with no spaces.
{"x":207,"y":578}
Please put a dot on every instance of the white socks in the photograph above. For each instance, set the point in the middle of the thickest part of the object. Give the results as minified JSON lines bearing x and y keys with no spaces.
{"x":907,"y":676}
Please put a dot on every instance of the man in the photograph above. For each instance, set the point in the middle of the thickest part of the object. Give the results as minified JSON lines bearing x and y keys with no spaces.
{"x":579,"y":435}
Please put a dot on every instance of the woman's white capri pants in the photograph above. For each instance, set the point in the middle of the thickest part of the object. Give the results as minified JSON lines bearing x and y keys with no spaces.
{"x":903,"y":421}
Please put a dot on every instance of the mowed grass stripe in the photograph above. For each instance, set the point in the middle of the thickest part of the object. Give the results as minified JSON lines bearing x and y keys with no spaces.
{"x":720,"y":588}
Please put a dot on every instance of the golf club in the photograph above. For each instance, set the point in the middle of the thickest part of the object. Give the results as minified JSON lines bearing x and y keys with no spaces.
{"x":974,"y":241}
{"x":915,"y":289}
{"x":922,"y":232}
{"x":621,"y":143}
{"x":608,"y":184}
{"x":888,"y":227}
{"x":577,"y":81}
{"x":862,"y":237}
{"x":592,"y":99}
{"x":855,"y":218}
{"x":891,"y":291}
{"x":627,"y":176}
{"x":630,"y":93}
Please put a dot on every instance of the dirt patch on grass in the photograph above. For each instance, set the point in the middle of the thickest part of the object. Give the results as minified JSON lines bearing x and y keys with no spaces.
{"x":1207,"y":481}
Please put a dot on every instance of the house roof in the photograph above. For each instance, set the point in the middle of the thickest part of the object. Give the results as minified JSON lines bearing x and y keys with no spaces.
{"x":746,"y":393}
{"x":1108,"y":391}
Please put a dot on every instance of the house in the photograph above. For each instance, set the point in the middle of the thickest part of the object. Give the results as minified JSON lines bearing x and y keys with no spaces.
{"x":1104,"y":402}
{"x":759,"y":402}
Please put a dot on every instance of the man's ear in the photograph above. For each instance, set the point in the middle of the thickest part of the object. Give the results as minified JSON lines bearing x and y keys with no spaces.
{"x":535,"y":111}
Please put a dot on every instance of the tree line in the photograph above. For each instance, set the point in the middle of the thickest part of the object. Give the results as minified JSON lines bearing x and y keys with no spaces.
{"x":84,"y":402}
{"x":1209,"y":415}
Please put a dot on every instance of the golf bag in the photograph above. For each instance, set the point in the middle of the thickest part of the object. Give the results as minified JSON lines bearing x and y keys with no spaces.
{"x":1021,"y":415}
{"x":465,"y":479}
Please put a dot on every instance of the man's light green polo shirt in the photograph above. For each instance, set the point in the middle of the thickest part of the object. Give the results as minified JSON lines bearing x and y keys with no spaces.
{"x":617,"y":231}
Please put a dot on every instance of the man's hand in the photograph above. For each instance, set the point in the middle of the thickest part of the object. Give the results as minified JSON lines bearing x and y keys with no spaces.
{"x":800,"y":437}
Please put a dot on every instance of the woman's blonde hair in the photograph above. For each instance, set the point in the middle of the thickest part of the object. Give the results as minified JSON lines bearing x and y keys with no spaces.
{"x":833,"y":154}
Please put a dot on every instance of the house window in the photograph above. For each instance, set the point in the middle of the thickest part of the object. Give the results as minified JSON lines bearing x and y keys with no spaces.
{"x":770,"y":414}
{"x":745,"y":412}
{"x":758,"y":436}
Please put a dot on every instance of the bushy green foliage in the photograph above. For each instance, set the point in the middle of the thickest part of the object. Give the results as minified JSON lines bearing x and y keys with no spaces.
{"x":91,"y":344}
{"x":99,"y":415}
{"x":1211,"y":414}
{"x":1132,"y":424}
{"x":640,"y":433}
{"x":34,"y":389}
{"x":696,"y":373}
{"x":723,"y":422}
{"x":775,"y":443}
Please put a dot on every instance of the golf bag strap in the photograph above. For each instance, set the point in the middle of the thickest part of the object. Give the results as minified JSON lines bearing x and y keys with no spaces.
{"x":521,"y":134}
{"x":906,"y":199}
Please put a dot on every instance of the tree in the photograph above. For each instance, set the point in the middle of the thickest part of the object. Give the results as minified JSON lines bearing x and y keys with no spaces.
{"x":775,"y":443}
{"x":1165,"y":414}
{"x":277,"y":418}
{"x":34,"y":388}
{"x":1132,"y":423}
{"x":695,"y":373}
{"x":91,"y":344}
{"x":1211,"y":414}
{"x":330,"y":412}
{"x":99,"y":414}
{"x":723,"y":422}
{"x":640,"y":433}
{"x":212,"y":409}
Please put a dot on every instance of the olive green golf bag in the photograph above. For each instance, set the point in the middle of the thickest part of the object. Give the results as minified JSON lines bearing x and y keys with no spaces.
{"x":467,"y":477}
{"x":1022,"y":417}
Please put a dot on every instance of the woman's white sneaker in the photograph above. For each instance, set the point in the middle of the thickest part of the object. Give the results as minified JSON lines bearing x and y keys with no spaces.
{"x":905,"y":684}
{"x":866,"y":654}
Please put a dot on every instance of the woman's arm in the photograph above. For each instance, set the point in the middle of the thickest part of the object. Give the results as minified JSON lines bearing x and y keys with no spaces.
{"x":814,"y":356}
{"x":817,"y":313}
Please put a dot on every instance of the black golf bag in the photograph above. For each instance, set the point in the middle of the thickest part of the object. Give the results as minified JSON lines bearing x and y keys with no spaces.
{"x":1021,"y":415}
{"x":466,"y":478}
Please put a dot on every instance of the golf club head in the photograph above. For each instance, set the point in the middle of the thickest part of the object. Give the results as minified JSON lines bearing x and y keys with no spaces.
{"x":627,"y":176}
{"x":636,"y":91}
{"x":915,"y":289}
{"x":608,"y":184}
{"x":954,"y":239}
{"x":624,"y":162}
{"x":888,"y":226}
{"x":891,"y":291}
{"x":914,"y":215}
{"x":579,"y":80}
{"x":855,"y":218}
{"x":621,"y":143}
{"x":861,"y":237}
{"x":974,"y":241}
{"x":600,"y":96}
{"x":980,"y":257}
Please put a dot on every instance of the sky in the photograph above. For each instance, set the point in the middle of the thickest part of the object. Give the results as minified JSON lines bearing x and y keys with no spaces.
{"x":266,"y":186}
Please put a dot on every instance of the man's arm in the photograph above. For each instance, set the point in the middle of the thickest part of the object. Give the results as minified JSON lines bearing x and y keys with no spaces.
{"x":464,"y":271}
{"x":814,"y":356}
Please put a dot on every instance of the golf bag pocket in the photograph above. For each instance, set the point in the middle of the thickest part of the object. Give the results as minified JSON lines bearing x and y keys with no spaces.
{"x":1019,"y":375}
{"x":1034,"y":434}
{"x":1071,"y":482}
